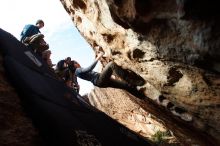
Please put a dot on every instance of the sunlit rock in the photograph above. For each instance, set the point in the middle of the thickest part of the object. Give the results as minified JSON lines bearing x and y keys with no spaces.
{"x":173,"y":45}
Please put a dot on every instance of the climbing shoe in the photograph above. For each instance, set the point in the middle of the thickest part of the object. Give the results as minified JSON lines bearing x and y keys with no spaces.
{"x":133,"y":78}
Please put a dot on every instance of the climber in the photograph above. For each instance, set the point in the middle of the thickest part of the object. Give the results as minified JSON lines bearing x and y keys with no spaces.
{"x":33,"y":38}
{"x":106,"y":79}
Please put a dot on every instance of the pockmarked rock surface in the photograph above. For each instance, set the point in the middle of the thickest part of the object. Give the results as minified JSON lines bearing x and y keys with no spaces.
{"x":173,"y":45}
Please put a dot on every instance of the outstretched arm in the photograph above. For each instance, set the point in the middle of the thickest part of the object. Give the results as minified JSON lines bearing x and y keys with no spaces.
{"x":99,"y":56}
{"x":92,"y":66}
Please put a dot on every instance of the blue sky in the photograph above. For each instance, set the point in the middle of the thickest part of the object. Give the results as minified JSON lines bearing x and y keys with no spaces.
{"x":60,"y":33}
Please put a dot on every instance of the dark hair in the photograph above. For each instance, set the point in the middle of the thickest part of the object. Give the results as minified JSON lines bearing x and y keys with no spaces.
{"x":68,"y":58}
{"x":73,"y":65}
{"x":39,"y":21}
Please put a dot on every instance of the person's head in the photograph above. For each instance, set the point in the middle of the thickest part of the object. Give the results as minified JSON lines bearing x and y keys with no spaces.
{"x":68,"y":60}
{"x":40,"y":23}
{"x":76,"y":64}
{"x":73,"y":65}
{"x":46,"y":54}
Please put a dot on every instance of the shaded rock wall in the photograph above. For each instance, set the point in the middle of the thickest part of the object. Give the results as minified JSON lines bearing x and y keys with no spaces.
{"x":16,"y":128}
{"x":173,"y":44}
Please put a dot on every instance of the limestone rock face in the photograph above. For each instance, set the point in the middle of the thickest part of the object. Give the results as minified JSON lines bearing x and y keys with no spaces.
{"x":173,"y":45}
{"x":116,"y":104}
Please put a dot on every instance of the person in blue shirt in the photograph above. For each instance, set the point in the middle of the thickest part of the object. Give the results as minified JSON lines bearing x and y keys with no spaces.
{"x":32,"y":37}
{"x":29,"y":30}
{"x":129,"y":80}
